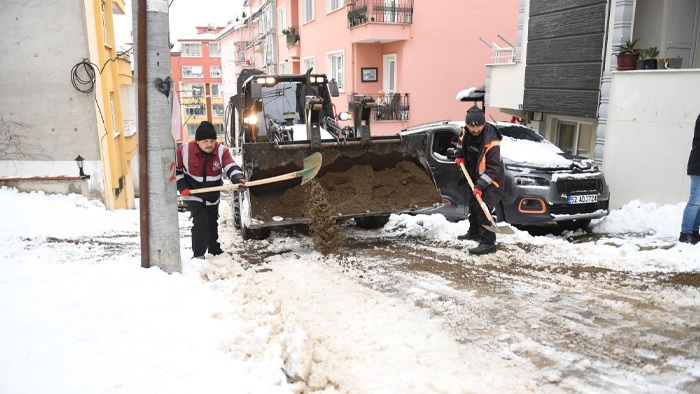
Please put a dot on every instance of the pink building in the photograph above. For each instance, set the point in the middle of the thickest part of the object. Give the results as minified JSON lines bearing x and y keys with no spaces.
{"x":420,"y":54}
{"x":197,"y":84}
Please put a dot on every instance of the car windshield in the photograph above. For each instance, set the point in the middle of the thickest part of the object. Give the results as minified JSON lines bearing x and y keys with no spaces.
{"x":520,"y":133}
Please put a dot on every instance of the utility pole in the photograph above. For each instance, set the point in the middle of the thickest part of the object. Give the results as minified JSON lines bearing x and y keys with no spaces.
{"x":160,"y":236}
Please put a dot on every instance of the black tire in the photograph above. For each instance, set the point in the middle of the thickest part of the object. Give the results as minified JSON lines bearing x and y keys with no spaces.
{"x":499,"y":213}
{"x":371,"y":222}
{"x":574,"y":224}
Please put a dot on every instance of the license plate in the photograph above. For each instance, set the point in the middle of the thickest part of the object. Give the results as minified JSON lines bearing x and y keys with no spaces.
{"x":586,"y":198}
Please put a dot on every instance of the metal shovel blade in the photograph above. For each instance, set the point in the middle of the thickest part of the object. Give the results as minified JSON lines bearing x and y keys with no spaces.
{"x":504,"y":229}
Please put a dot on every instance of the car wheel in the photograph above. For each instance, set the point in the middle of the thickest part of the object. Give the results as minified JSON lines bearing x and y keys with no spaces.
{"x":499,"y":214}
{"x":371,"y":222}
{"x":574,"y":224}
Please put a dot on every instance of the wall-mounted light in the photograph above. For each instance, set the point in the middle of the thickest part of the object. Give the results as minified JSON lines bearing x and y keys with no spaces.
{"x":80,"y":161}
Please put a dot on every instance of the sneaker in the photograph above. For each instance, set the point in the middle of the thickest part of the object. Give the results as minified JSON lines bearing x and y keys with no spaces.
{"x":483,"y":249}
{"x":688,"y":238}
{"x":469,"y":237}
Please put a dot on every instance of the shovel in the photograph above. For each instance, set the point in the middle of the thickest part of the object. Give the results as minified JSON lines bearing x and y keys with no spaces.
{"x":311,"y":166}
{"x":494,"y":228}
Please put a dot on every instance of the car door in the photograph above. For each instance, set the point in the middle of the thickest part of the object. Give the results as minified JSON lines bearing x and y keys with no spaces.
{"x":446,"y":173}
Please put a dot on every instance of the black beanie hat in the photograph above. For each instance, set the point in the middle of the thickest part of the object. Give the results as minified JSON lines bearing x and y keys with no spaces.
{"x":475,"y":116}
{"x":205,"y":131}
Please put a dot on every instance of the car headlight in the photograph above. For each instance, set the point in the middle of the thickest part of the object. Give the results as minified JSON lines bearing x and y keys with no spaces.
{"x":531,"y":181}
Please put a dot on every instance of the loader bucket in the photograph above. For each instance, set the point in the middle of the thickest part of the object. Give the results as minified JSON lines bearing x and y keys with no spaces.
{"x":388,"y":175}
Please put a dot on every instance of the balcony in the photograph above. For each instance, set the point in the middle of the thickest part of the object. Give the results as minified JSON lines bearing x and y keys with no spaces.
{"x":379,"y":21}
{"x":391,"y":107}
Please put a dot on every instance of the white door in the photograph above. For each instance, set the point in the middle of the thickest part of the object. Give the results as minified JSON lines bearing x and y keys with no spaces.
{"x":683,"y":25}
{"x":389,"y":73}
{"x":389,"y":10}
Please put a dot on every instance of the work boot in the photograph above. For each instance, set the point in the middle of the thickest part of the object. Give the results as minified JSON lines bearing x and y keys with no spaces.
{"x":469,"y":236}
{"x":216,"y":252}
{"x":688,"y":238}
{"x":483,"y":249}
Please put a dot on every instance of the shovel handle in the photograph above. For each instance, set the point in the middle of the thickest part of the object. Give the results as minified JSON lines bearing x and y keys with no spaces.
{"x":478,"y":197}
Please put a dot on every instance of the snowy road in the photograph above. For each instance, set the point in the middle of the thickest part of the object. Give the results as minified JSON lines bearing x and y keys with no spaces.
{"x":541,"y":307}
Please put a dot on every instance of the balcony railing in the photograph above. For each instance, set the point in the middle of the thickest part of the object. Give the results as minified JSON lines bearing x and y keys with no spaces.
{"x":362,"y":12}
{"x":390,"y":107}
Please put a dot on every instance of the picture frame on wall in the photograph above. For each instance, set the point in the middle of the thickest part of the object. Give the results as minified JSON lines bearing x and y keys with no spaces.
{"x":369,"y":74}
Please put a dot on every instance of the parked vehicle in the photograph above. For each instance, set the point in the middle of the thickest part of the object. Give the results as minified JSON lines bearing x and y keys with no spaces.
{"x":543,"y":184}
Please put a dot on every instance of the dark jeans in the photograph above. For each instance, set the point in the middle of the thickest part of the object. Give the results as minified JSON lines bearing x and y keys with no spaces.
{"x":477,"y":218}
{"x":205,"y":228}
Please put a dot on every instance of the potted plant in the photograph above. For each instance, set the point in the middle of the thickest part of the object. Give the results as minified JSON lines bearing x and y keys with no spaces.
{"x":627,"y":55}
{"x":652,"y":62}
{"x":292,"y":36}
{"x":642,"y":59}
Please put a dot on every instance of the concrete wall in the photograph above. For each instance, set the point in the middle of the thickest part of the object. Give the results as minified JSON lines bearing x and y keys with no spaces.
{"x":648,"y":139}
{"x":44,"y":121}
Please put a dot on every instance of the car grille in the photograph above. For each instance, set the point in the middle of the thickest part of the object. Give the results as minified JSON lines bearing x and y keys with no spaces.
{"x":569,"y":186}
{"x":572,"y":209}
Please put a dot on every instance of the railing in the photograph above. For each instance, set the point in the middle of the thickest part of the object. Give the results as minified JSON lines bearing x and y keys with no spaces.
{"x":361,"y":12}
{"x":390,"y":107}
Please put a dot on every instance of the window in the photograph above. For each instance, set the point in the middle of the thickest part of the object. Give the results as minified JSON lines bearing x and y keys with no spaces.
{"x":241,"y":58}
{"x":196,"y":111}
{"x":281,"y":19}
{"x":332,"y":5}
{"x":336,"y":68}
{"x":219,"y":129}
{"x":192,"y":72}
{"x":215,"y":71}
{"x":308,"y":63}
{"x":283,"y":68}
{"x":192,"y":49}
{"x":218,"y":110}
{"x":217,"y":89}
{"x":575,"y":138}
{"x":104,"y":26}
{"x":214,"y":50}
{"x":192,"y":90}
{"x":308,"y":10}
{"x":192,"y":129}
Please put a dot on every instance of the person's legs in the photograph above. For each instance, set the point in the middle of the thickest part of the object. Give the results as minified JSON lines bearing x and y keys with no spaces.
{"x":473,"y":232}
{"x":487,"y":243}
{"x":213,"y":222}
{"x":200,"y":229}
{"x":691,"y":213}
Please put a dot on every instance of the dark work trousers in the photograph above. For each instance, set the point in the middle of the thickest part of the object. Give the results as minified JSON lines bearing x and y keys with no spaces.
{"x":205,"y":228}
{"x":477,"y":218}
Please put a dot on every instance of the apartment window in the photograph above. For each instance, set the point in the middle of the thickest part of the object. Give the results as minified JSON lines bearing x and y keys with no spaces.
{"x":104,"y":26}
{"x":214,"y":50}
{"x":217,"y":89}
{"x":241,"y":58}
{"x":215,"y":71}
{"x":283,"y":69}
{"x":192,"y":72}
{"x":192,"y":49}
{"x":192,"y":129}
{"x":332,"y":5}
{"x":218,"y":110}
{"x":219,"y":129}
{"x":308,"y":63}
{"x":575,"y":138}
{"x":336,"y":68}
{"x":197,"y":111}
{"x":192,"y":90}
{"x":281,"y":19}
{"x":308,"y":11}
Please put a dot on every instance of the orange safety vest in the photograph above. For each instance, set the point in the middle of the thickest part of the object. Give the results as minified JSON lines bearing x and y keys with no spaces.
{"x":482,"y":162}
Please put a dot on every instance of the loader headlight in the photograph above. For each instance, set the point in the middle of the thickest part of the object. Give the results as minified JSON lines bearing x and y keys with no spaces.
{"x":251,"y":119}
{"x":318,"y":80}
{"x":266,"y":81}
{"x":344,"y":115}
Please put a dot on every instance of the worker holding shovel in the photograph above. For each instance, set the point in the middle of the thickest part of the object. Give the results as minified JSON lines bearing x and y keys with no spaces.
{"x":480,"y":159}
{"x":202,"y":164}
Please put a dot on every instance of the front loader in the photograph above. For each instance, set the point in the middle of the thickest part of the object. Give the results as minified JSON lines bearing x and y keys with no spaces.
{"x":282,"y":119}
